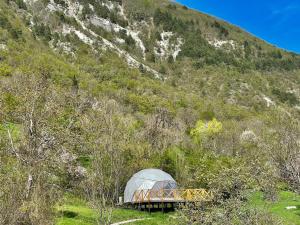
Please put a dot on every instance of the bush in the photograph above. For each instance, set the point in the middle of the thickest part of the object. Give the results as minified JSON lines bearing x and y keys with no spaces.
{"x":16,"y":33}
{"x":5,"y":70}
{"x":195,"y":46}
{"x":21,"y":4}
{"x":172,"y":6}
{"x":168,"y":22}
{"x":223,"y":31}
{"x":61,"y":2}
{"x":42,"y":31}
{"x":4,"y":23}
{"x":231,"y":183}
{"x":232,"y":212}
{"x":140,"y":103}
{"x":286,"y":97}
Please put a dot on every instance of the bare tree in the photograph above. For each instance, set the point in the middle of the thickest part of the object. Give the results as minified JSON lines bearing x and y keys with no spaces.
{"x":36,"y":152}
{"x":107,"y":137}
{"x":284,"y":148}
{"x":163,"y":131}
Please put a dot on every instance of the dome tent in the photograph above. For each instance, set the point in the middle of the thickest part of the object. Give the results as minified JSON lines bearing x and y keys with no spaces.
{"x":148,"y":179}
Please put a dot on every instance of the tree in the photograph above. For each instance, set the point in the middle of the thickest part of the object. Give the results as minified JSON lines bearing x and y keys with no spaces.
{"x":163,"y":131}
{"x":107,"y":137}
{"x":284,"y":148}
{"x":34,"y":151}
{"x":204,"y":130}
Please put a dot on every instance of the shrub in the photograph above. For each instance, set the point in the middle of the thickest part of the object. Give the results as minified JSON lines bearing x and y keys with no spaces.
{"x":286,"y":97}
{"x":61,"y":2}
{"x":223,"y":31}
{"x":5,"y":70}
{"x":21,"y":4}
{"x":42,"y":31}
{"x":15,"y":33}
{"x":168,"y":22}
{"x":4,"y":23}
{"x":232,"y":212}
{"x":140,"y":103}
{"x":185,"y":8}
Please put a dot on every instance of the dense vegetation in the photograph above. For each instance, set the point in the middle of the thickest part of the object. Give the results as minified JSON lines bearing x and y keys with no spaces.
{"x":80,"y":122}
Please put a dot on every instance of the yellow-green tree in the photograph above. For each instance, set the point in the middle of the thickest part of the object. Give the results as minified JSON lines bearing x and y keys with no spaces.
{"x":204,"y":130}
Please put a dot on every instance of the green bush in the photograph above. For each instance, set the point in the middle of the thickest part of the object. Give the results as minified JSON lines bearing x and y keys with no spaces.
{"x":223,"y":31}
{"x":21,"y":4}
{"x":168,"y":22}
{"x":5,"y":70}
{"x":4,"y":23}
{"x":42,"y":30}
{"x":140,"y":103}
{"x":61,"y":2}
{"x":232,"y":212}
{"x":286,"y":97}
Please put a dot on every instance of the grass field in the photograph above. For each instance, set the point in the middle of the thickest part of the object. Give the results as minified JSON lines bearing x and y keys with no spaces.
{"x":77,"y":212}
{"x":285,"y":198}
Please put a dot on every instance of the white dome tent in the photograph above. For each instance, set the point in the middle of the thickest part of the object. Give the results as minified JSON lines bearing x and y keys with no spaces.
{"x":148,"y":179}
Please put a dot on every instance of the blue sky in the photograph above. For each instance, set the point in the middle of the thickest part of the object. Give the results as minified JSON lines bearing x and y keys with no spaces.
{"x":276,"y":21}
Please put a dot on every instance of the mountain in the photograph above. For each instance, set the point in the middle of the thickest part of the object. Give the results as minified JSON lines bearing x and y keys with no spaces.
{"x":168,"y":41}
{"x":111,"y":87}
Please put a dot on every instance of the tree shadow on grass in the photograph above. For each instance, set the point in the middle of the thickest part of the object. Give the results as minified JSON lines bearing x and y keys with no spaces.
{"x":68,"y":214}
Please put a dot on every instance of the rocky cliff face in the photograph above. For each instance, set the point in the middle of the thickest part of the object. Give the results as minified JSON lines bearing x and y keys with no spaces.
{"x":143,"y":32}
{"x":68,"y":20}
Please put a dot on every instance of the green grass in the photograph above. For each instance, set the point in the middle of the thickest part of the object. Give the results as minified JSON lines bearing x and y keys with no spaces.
{"x":285,"y":198}
{"x":156,"y":218}
{"x":82,"y":214}
{"x":76,"y":212}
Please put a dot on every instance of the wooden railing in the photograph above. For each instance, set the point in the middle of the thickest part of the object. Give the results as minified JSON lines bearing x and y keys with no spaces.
{"x":172,"y":195}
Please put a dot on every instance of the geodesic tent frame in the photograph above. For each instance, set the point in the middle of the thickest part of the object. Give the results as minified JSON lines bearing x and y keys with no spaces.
{"x":148,"y":179}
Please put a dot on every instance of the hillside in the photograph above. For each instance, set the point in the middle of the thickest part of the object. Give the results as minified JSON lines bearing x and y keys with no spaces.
{"x":92,"y":91}
{"x":171,"y":43}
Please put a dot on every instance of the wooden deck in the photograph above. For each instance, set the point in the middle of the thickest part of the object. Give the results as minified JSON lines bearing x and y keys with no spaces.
{"x":171,"y":196}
